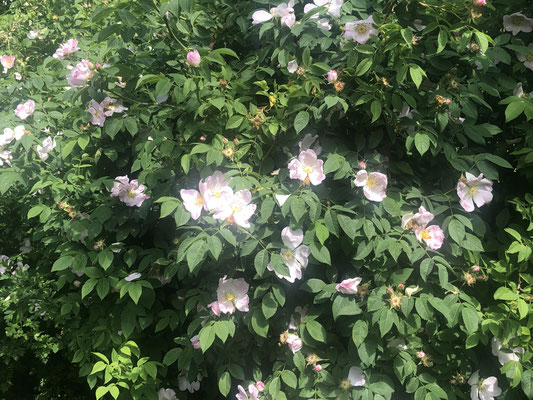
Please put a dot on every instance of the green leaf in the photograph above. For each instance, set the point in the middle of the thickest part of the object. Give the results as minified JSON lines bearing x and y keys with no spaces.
{"x":345,"y":305}
{"x":168,"y":206}
{"x":172,"y":356}
{"x":259,"y":323}
{"x":261,"y":261}
{"x":503,"y":293}
{"x":8,"y":179}
{"x":321,"y":232}
{"x":422,"y":142}
{"x":62,"y":263}
{"x":363,"y":66}
{"x":416,"y":75}
{"x":470,"y":319}
{"x":316,"y":330}
{"x":289,"y":378}
{"x":135,"y":291}
{"x":88,"y":287}
{"x":206,"y":337}
{"x":301,"y":121}
{"x":442,"y":39}
{"x":298,"y":208}
{"x":195,"y":254}
{"x":348,"y":225}
{"x":215,"y":246}
{"x":472,"y":243}
{"x":105,"y":258}
{"x":527,"y":383}
{"x":385,"y":321}
{"x":321,"y":253}
{"x":234,"y":121}
{"x":269,"y":305}
{"x":456,"y":230}
{"x":513,"y":110}
{"x":224,"y":383}
{"x":391,"y":206}
{"x":359,"y":332}
{"x":375,"y":109}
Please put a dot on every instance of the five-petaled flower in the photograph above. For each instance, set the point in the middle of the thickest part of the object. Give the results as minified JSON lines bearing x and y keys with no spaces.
{"x":128,"y":192}
{"x":7,"y":62}
{"x":69,"y":47}
{"x":294,"y":254}
{"x":483,"y":389}
{"x":374,"y":184}
{"x":348,"y":286}
{"x":80,"y":74}
{"x":527,"y":59}
{"x":253,"y":393}
{"x":236,"y":208}
{"x":232,"y":295}
{"x":285,"y":11}
{"x":474,"y":190}
{"x":360,"y":31}
{"x":517,"y":22}
{"x":307,"y":168}
{"x":24,"y":110}
{"x":193,"y":202}
{"x":356,"y":376}
{"x":432,"y":235}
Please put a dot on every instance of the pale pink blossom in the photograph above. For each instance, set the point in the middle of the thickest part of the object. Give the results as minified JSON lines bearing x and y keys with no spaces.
{"x":519,"y":91}
{"x":421,"y":218}
{"x":236,"y":208}
{"x":80,"y":74}
{"x":483,"y":389}
{"x":474,"y":190}
{"x":253,"y":393}
{"x":292,"y":66}
{"x":232,"y":295}
{"x":98,"y":113}
{"x":476,"y":268}
{"x":184,"y":384}
{"x":333,"y":7}
{"x":46,"y":147}
{"x":300,"y":310}
{"x":24,"y":110}
{"x":362,"y":165}
{"x":420,"y":354}
{"x":294,"y":342}
{"x":35,"y":34}
{"x":517,"y":22}
{"x":374,"y":184}
{"x":196,"y":342}
{"x":166,"y":394}
{"x":294,"y":254}
{"x":308,"y":141}
{"x":506,"y":354}
{"x":260,"y":16}
{"x":527,"y":59}
{"x":130,"y":193}
{"x":215,"y":190}
{"x":307,"y":168}
{"x":348,"y":286}
{"x":356,"y":376}
{"x":18,"y":76}
{"x":284,"y":11}
{"x":69,"y":47}
{"x":11,"y":134}
{"x":260,"y":385}
{"x":193,"y":202}
{"x":360,"y":31}
{"x":5,"y":157}
{"x":332,"y":75}
{"x":432,"y":235}
{"x":193,"y":58}
{"x":7,"y":62}
{"x":323,"y":23}
{"x":112,"y":106}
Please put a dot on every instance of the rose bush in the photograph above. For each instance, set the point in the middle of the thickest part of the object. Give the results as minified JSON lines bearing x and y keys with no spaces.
{"x":267,"y":200}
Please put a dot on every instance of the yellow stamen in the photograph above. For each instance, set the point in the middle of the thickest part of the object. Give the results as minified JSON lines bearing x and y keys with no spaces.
{"x":230,"y":297}
{"x":425,"y":234}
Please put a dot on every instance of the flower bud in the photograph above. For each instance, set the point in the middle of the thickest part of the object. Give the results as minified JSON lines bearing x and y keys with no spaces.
{"x":362,"y":165}
{"x":420,"y":354}
{"x":193,"y":58}
{"x":480,"y":3}
{"x":260,"y":386}
{"x":202,"y":138}
{"x":332,"y":75}
{"x":476,"y":268}
{"x":401,"y":286}
{"x":318,"y":368}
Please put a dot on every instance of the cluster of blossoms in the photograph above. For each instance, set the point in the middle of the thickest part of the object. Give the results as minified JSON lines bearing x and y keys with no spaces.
{"x":24,"y":110}
{"x":106,"y":108}
{"x":81,"y":73}
{"x":69,"y":47}
{"x":7,"y":62}
{"x":432,"y":235}
{"x":294,"y":254}
{"x":215,"y":195}
{"x":128,"y":192}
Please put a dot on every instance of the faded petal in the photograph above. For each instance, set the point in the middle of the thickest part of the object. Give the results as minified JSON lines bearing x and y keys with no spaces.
{"x":356,"y":376}
{"x":292,"y":239}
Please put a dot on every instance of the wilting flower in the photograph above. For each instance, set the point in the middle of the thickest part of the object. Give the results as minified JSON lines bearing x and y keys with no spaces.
{"x":253,"y":393}
{"x":308,"y":141}
{"x":294,"y":255}
{"x":411,"y":290}
{"x":292,"y":66}
{"x":130,"y":193}
{"x":421,"y":218}
{"x":47,"y":146}
{"x":374,"y":184}
{"x":193,"y":202}
{"x":483,"y":389}
{"x":356,"y":376}
{"x":184,"y":384}
{"x":517,"y":22}
{"x":196,"y":342}
{"x":10,"y":134}
{"x":112,"y":106}
{"x":7,"y":62}
{"x":519,"y":91}
{"x":98,"y":113}
{"x":236,"y":208}
{"x":307,"y":168}
{"x":332,"y":75}
{"x":69,"y":47}
{"x":80,"y":74}
{"x":232,"y":294}
{"x":133,"y":276}
{"x":432,"y":235}
{"x":348,"y":286}
{"x":23,"y":111}
{"x":474,"y":190}
{"x":360,"y":31}
{"x":193,"y":58}
{"x":294,"y":342}
{"x":215,"y":190}
{"x":507,"y":354}
{"x":397,"y":344}
{"x":300,"y":310}
{"x":5,"y":157}
{"x":528,"y":59}
{"x":166,"y":394}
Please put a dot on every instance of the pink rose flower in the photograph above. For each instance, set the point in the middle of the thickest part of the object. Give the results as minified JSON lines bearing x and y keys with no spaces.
{"x":11,"y":134}
{"x":348,"y":286}
{"x":360,"y":31}
{"x":260,"y":385}
{"x":307,"y":168}
{"x":69,"y":47}
{"x":7,"y":62}
{"x":193,"y":58}
{"x":432,"y":235}
{"x":332,"y":75}
{"x":527,"y":60}
{"x":294,"y":255}
{"x":236,"y":208}
{"x":215,"y":309}
{"x":196,"y":342}
{"x":421,"y":218}
{"x":111,"y":106}
{"x":294,"y":342}
{"x":193,"y":202}
{"x":215,"y":190}
{"x":166,"y":394}
{"x":374,"y":184}
{"x":479,"y":3}
{"x":130,"y":193}
{"x":23,"y":111}
{"x":474,"y":190}
{"x":98,"y":113}
{"x":253,"y":393}
{"x":80,"y":74}
{"x":232,"y":294}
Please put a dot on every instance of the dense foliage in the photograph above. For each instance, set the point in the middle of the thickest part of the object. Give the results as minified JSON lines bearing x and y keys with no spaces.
{"x":247,"y":199}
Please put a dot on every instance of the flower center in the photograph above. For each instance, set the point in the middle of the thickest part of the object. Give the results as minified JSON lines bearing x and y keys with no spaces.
{"x":230,"y":296}
{"x":517,"y":21}
{"x":287,"y":255}
{"x":131,"y":193}
{"x":199,"y":201}
{"x":308,"y":169}
{"x":371,"y":182}
{"x":216,"y":193}
{"x":529,"y":57}
{"x":362,"y":29}
{"x":235,"y":208}
{"x":472,"y":191}
{"x":425,"y":234}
